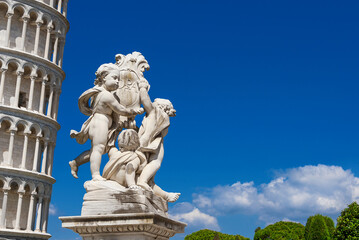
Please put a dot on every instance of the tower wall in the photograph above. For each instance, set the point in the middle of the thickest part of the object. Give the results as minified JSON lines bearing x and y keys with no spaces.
{"x":32,"y":39}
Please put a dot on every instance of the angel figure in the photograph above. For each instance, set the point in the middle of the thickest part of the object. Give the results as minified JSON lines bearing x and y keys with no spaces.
{"x":104,"y":112}
{"x":152,"y":131}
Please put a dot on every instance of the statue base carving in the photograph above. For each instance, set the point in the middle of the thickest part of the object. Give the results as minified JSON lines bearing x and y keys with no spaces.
{"x":127,"y":226}
{"x":109,"y":197}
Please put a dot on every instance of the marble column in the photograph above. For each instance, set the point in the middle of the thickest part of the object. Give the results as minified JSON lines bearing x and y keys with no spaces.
{"x":51,"y":158}
{"x":48,"y":39}
{"x":46,"y":213}
{"x":64,"y":9}
{"x":30,"y":215}
{"x":17,"y":89}
{"x":31,"y":94}
{"x":18,"y":211}
{"x":3,"y":209}
{"x":36,"y":154}
{"x":25,"y":21}
{"x":8,"y":29}
{"x":24,"y":150}
{"x":9,"y":161}
{"x":39,"y":214}
{"x":45,"y":155}
{"x":49,"y":105}
{"x":56,"y":46}
{"x":2,"y":84}
{"x":61,"y":51}
{"x":59,"y":6}
{"x":56,"y":103}
{"x":37,"y":36}
{"x":42,"y":94}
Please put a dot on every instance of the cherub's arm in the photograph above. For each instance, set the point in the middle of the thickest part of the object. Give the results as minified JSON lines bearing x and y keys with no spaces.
{"x":145,"y":98}
{"x":119,"y":108}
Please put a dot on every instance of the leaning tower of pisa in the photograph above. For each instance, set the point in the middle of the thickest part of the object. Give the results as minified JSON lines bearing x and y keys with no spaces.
{"x":32,"y":39}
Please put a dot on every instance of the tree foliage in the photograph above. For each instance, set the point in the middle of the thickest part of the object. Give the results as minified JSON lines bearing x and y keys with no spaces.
{"x":281,"y":231}
{"x":348,"y":223}
{"x":206,"y":234}
{"x":319,"y":227}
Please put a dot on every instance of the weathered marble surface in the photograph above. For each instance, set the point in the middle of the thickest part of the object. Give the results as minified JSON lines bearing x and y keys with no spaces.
{"x":139,"y":226}
{"x":109,"y":197}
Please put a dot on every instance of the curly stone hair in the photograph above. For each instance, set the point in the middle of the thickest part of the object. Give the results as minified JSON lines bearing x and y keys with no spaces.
{"x":103,"y":71}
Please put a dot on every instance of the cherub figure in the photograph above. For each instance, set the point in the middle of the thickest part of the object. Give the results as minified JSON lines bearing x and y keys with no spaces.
{"x":104,"y":111}
{"x":124,"y":165}
{"x":152,"y":131}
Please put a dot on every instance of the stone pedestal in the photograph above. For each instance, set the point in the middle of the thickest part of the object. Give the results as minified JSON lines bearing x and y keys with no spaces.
{"x":127,"y":226}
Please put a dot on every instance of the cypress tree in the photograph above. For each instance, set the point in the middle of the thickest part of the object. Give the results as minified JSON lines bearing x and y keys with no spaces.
{"x":318,"y":229}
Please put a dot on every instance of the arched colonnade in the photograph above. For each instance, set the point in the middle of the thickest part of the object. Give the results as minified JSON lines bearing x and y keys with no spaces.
{"x":24,"y":204}
{"x":26,"y":145}
{"x":25,"y":28}
{"x":20,"y":83}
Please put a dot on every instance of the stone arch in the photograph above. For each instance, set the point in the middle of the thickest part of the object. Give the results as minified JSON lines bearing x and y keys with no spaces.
{"x":36,"y":129}
{"x":12,"y":65}
{"x":46,"y":132}
{"x":40,"y":188}
{"x":41,"y":72}
{"x":16,"y":181}
{"x":6,"y":124}
{"x":34,"y":16}
{"x":13,"y":62}
{"x":4,"y":8}
{"x":15,"y":40}
{"x":21,"y":125}
{"x":12,"y":202}
{"x":8,"y":121}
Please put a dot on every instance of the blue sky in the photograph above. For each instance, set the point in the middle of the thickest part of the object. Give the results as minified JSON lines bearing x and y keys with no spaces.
{"x":266,"y":94}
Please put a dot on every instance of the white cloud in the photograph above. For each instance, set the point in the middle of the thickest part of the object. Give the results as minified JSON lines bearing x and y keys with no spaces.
{"x":52,"y":209}
{"x":195,"y":219}
{"x":294,"y":194}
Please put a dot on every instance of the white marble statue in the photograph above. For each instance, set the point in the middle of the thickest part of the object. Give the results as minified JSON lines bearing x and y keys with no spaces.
{"x":120,"y":90}
{"x":104,"y":108}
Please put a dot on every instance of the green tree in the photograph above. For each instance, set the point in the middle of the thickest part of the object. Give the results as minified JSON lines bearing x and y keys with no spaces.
{"x":319,"y":227}
{"x":281,"y":231}
{"x":216,"y":237}
{"x":206,"y":234}
{"x":330,"y":225}
{"x":348,"y":223}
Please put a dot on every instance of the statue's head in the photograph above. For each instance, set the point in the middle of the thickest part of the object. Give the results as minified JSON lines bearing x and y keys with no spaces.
{"x":128,"y":140}
{"x":166,"y":106}
{"x":107,"y":72}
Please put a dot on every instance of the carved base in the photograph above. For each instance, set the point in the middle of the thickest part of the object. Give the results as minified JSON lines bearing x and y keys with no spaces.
{"x":132,"y":226}
{"x":109,"y":197}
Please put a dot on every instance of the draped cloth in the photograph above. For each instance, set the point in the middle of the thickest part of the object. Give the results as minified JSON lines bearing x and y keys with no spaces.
{"x":153,"y":134}
{"x":90,"y":110}
{"x":119,"y":159}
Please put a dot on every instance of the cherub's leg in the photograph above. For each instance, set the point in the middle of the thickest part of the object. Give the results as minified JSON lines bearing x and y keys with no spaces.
{"x":131,"y":169}
{"x":78,"y":161}
{"x":95,"y":161}
{"x":151,"y":168}
{"x":168,"y":196}
{"x":98,"y":135}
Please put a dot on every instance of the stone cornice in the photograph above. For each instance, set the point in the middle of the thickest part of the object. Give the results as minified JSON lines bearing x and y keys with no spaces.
{"x":33,"y":59}
{"x":23,"y":173}
{"x":26,"y":235}
{"x":146,"y":223}
{"x":30,"y":115}
{"x":46,"y":8}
